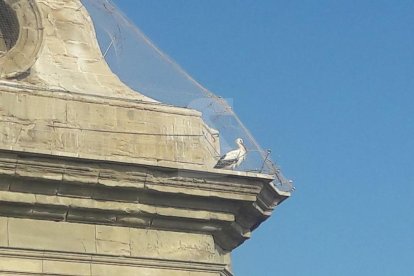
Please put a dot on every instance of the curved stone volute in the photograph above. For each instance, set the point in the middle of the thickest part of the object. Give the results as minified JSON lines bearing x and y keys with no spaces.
{"x":57,"y":48}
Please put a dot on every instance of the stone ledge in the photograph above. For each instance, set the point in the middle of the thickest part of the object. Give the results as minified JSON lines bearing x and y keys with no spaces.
{"x":51,"y":204}
{"x":224,"y":204}
{"x":10,"y":155}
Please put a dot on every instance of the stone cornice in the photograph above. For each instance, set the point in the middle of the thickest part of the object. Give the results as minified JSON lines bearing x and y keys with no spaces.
{"x":227,"y":205}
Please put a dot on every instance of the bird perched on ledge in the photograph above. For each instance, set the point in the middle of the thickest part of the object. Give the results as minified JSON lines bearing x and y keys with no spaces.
{"x":233,"y":158}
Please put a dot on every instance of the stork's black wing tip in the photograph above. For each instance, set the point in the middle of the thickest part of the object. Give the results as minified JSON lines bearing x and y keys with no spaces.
{"x":218,"y":166}
{"x":222,"y":163}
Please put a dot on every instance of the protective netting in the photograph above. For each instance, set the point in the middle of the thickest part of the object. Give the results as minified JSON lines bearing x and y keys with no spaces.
{"x":9,"y":27}
{"x":144,"y":68}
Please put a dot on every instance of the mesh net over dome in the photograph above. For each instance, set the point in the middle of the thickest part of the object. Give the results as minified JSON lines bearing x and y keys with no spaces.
{"x":145,"y":68}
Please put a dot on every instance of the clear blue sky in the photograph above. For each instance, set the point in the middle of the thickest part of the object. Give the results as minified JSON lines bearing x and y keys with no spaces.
{"x":329,"y":86}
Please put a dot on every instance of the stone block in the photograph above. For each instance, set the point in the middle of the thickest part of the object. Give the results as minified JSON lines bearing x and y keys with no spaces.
{"x":4,"y":183}
{"x":17,"y":197}
{"x":7,"y":161}
{"x":50,"y":213}
{"x":90,"y":216}
{"x":66,"y":268}
{"x":199,"y":273}
{"x":47,"y":235}
{"x":36,"y":171}
{"x":4,"y":236}
{"x":73,"y":190}
{"x":111,"y":233}
{"x":111,"y":270}
{"x":33,"y":186}
{"x":87,"y":175}
{"x":113,"y":240}
{"x":115,"y":195}
{"x":8,"y":209}
{"x":171,"y":245}
{"x":20,"y":265}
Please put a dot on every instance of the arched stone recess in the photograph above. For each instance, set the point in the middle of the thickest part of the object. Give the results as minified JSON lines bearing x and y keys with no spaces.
{"x":21,"y":35}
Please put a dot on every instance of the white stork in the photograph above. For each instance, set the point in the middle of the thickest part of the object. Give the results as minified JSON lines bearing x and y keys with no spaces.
{"x":233,"y":158}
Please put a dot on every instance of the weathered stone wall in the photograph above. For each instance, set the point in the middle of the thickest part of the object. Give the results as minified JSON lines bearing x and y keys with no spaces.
{"x":97,"y":179}
{"x":86,"y":125}
{"x":65,"y":99}
{"x":126,"y":218}
{"x":60,"y":248}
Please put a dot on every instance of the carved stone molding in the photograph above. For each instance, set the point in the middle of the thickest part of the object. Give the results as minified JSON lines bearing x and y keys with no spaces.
{"x":227,"y":206}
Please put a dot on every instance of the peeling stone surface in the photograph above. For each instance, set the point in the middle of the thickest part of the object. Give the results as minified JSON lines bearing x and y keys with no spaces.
{"x":181,"y":246}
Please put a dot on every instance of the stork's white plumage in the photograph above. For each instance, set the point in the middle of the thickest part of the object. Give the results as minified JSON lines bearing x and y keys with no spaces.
{"x":233,"y":158}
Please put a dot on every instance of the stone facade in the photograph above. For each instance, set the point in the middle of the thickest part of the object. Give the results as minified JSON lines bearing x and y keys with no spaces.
{"x":80,"y":216}
{"x":46,"y":247}
{"x":82,"y":125}
{"x":97,"y":179}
